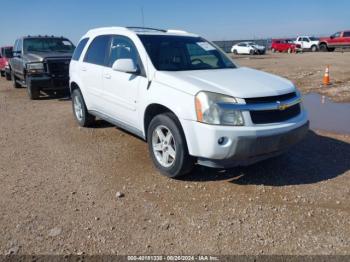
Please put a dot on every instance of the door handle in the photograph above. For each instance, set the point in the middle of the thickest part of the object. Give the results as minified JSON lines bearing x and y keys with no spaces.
{"x":107,"y":76}
{"x":83,"y":69}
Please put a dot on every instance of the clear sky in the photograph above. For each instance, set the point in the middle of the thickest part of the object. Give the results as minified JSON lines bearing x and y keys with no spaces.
{"x":213,"y":19}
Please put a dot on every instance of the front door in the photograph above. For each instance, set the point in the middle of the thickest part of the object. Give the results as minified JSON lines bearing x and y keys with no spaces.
{"x":120,"y":89}
{"x":91,"y":70}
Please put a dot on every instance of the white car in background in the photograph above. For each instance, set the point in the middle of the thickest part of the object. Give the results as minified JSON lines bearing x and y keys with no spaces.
{"x":308,"y":43}
{"x":248,"y":48}
{"x":185,"y":97}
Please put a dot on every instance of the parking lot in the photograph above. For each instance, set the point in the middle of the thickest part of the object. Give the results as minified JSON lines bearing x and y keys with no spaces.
{"x":58,"y":184}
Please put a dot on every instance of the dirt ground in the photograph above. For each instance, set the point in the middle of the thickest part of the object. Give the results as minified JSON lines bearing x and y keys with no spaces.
{"x":306,"y":70}
{"x":58,"y":185}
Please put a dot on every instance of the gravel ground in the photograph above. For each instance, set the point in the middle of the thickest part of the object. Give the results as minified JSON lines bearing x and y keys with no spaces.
{"x":306,"y":70}
{"x":68,"y":190}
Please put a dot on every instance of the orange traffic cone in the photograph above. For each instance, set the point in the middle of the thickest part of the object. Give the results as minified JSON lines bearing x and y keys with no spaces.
{"x":326,"y":78}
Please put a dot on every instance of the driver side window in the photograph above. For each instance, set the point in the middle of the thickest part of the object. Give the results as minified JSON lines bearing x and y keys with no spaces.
{"x":121,"y":48}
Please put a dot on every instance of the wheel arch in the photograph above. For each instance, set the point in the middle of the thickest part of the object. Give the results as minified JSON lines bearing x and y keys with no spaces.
{"x":153,"y":110}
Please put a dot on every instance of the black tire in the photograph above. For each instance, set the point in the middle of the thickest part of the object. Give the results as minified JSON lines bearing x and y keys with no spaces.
{"x":331,"y":49}
{"x":7,"y":76}
{"x":323,"y":47}
{"x":14,"y":81}
{"x":251,"y":52}
{"x":86,"y":118}
{"x":33,"y":91}
{"x":183,"y":162}
{"x":235,"y":52}
{"x":314,"y":48}
{"x":2,"y":74}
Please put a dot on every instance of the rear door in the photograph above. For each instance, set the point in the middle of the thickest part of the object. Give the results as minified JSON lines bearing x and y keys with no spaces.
{"x":91,"y":69}
{"x":120,"y":89}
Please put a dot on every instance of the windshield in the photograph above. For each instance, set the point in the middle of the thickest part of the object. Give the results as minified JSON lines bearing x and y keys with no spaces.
{"x":314,"y":38}
{"x":8,"y":52}
{"x":48,"y":45}
{"x":181,"y":53}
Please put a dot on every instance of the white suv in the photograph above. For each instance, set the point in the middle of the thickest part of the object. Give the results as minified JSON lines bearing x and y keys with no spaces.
{"x":184,"y":96}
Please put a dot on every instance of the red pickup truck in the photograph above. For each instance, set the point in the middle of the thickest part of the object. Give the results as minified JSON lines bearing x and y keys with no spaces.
{"x":337,"y":40}
{"x":284,"y":45}
{"x":5,"y":55}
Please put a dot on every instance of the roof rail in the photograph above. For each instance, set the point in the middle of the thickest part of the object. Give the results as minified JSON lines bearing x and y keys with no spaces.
{"x":145,"y":28}
{"x":175,"y":31}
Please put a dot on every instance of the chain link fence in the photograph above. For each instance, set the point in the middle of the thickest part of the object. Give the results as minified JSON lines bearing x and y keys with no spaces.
{"x":226,"y":45}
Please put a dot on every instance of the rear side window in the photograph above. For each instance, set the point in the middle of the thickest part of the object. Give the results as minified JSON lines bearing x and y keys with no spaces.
{"x":96,"y":54}
{"x":79,"y":49}
{"x":347,"y":34}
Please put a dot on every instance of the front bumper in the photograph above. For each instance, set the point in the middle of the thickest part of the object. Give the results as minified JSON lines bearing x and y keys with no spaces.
{"x":243,"y":145}
{"x":45,"y":82}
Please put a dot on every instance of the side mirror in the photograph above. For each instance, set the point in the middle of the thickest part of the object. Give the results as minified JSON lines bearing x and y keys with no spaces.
{"x":126,"y":65}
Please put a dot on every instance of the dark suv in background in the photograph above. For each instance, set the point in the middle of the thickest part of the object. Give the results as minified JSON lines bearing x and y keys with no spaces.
{"x":41,"y":63}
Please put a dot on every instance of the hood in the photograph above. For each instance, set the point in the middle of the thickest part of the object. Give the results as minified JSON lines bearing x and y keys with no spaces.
{"x":40,"y":56}
{"x":239,"y":82}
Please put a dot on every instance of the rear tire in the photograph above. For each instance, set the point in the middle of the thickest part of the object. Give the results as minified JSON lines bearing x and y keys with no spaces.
{"x":2,"y":74}
{"x":323,"y":47}
{"x":235,"y":52}
{"x":33,"y":91}
{"x":251,"y":52}
{"x":81,"y":114}
{"x":167,"y":146}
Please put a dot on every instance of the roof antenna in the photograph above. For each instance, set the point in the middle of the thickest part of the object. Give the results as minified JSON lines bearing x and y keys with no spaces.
{"x":142,"y":17}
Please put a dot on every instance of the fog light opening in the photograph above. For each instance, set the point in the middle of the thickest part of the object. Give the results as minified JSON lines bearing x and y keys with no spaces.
{"x":222,"y":141}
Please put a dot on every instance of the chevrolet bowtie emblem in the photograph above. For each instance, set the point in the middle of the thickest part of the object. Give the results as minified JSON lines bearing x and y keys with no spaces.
{"x":281,"y":106}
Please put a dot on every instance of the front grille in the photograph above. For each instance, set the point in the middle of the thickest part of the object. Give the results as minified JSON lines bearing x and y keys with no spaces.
{"x":273,"y":116}
{"x":269,"y":99}
{"x":58,"y":68}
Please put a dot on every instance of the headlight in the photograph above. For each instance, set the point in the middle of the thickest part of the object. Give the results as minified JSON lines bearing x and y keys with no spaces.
{"x":35,"y":67}
{"x":209,"y":111}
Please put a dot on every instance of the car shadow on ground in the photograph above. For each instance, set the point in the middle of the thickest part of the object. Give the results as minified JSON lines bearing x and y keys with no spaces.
{"x":58,"y":95}
{"x":317,"y":158}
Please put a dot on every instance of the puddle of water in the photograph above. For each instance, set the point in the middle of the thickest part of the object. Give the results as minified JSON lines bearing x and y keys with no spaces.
{"x":327,"y":115}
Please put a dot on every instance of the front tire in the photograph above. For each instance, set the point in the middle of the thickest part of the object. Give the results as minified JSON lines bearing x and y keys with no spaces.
{"x":167,"y":146}
{"x":314,"y":48}
{"x":15,"y":84}
{"x":33,"y":91}
{"x":81,"y":114}
{"x":7,"y":76}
